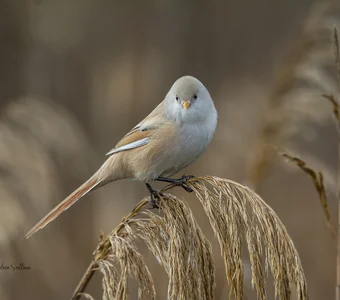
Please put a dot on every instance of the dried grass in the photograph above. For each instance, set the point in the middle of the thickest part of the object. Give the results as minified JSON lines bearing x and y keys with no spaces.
{"x":317,"y":177}
{"x":87,"y":296}
{"x":336,"y":116}
{"x":237,"y":216}
{"x":31,"y":156}
{"x":294,"y":105}
{"x":131,"y":264}
{"x":318,"y":182}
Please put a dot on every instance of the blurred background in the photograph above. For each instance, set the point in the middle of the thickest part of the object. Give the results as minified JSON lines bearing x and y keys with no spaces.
{"x":75,"y":76}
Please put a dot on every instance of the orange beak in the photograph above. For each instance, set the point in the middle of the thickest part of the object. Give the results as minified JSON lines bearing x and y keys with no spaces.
{"x":186,"y":104}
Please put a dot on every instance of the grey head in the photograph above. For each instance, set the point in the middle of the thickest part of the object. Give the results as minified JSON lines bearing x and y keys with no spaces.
{"x":189,"y":101}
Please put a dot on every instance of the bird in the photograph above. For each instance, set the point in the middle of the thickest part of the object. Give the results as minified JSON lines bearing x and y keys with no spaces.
{"x":170,"y":138}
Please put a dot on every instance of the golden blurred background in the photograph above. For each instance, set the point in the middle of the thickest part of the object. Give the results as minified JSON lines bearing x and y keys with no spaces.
{"x":75,"y":76}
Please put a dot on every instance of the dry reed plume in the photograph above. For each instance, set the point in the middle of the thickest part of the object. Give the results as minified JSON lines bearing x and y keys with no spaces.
{"x":318,"y":182}
{"x":35,"y":124}
{"x":317,"y":177}
{"x":294,"y":105}
{"x":336,"y":116}
{"x":236,"y":215}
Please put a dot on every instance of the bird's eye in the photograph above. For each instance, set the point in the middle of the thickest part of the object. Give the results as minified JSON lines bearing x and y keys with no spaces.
{"x":177,"y":98}
{"x":195,"y":96}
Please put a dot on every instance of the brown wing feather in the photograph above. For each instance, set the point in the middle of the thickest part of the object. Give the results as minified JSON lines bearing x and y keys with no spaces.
{"x":144,"y":129}
{"x":133,"y":136}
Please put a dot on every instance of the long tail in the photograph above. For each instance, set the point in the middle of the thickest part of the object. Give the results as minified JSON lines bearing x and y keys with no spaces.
{"x":65,"y":204}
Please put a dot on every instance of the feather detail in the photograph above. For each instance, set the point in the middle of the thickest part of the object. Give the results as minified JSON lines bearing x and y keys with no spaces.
{"x":129,"y":146}
{"x":140,"y":134}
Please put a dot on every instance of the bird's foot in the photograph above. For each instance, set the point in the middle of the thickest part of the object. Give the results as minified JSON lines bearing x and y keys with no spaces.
{"x":153,"y":196}
{"x":185,"y":178}
{"x":153,"y":200}
{"x":179,"y":181}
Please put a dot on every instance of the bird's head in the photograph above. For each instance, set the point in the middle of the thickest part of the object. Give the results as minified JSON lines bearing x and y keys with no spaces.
{"x":188,"y":101}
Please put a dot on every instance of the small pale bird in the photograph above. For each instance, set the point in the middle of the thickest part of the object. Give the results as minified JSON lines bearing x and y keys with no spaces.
{"x":170,"y":138}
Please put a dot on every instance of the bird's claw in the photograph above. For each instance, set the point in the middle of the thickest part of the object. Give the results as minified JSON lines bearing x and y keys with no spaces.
{"x":153,"y":201}
{"x":185,"y":178}
{"x":182,"y":182}
{"x":188,"y":189}
{"x":179,"y":182}
{"x":153,"y":196}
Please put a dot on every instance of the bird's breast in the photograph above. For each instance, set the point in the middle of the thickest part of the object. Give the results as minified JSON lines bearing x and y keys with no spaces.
{"x":169,"y":152}
{"x":192,"y":141}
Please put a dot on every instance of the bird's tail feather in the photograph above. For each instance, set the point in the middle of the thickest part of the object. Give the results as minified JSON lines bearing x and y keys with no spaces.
{"x":65,"y":204}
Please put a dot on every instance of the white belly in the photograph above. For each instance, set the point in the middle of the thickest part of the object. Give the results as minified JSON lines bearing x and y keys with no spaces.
{"x":192,"y":142}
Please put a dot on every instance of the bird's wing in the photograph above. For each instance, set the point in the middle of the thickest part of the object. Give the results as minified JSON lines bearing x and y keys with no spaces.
{"x":137,"y":137}
{"x":140,"y":135}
